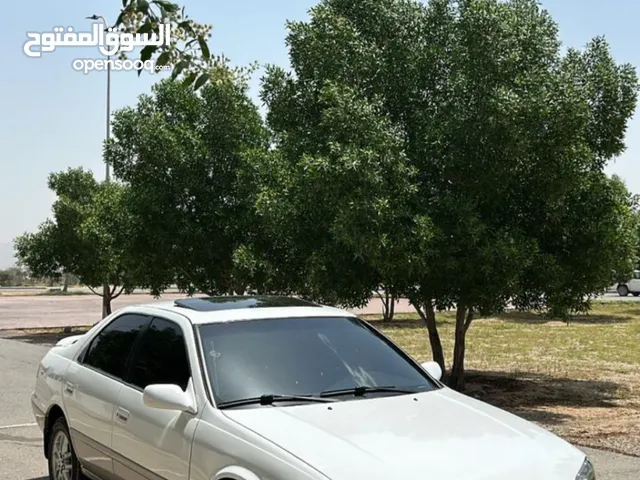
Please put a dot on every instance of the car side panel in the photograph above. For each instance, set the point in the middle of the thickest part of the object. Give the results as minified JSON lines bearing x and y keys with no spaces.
{"x":151,"y":440}
{"x":90,"y":398}
{"x":634,"y":285}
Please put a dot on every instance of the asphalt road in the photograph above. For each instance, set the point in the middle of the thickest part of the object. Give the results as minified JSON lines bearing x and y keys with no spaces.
{"x":21,"y":455}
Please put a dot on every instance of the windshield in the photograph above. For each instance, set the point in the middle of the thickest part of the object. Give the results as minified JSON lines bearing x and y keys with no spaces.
{"x":302,"y":356}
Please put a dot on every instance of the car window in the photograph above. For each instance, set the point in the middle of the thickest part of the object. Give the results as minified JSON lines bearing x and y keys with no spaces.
{"x":302,"y":356}
{"x":110,"y":349}
{"x":636,"y":275}
{"x":161,"y":356}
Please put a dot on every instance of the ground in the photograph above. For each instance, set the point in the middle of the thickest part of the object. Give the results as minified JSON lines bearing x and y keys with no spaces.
{"x":581,"y":380}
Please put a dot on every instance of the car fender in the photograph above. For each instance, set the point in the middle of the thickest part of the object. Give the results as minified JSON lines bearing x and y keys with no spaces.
{"x":235,"y":473}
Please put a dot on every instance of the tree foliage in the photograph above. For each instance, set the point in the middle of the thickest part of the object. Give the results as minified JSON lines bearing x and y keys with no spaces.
{"x":185,"y":156}
{"x":188,"y":53}
{"x":453,"y":145}
{"x":87,"y":236}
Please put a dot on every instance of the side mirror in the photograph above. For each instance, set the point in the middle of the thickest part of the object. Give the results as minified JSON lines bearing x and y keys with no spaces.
{"x":168,"y":397}
{"x":433,"y":369}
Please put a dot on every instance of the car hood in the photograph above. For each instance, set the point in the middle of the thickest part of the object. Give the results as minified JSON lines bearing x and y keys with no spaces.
{"x":439,"y":435}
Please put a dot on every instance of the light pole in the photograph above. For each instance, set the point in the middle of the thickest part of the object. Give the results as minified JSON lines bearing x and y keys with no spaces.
{"x":106,"y":289}
{"x":107,"y":176}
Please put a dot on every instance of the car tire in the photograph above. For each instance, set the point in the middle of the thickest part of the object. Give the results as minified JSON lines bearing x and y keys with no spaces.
{"x":623,"y":291}
{"x":635,"y":294}
{"x":63,"y":463}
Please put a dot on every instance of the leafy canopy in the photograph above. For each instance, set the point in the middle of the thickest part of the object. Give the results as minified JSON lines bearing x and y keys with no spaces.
{"x":184,"y":155}
{"x":453,"y":141}
{"x":87,"y":236}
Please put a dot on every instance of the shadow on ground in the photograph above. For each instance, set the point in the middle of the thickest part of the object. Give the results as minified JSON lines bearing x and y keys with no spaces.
{"x":42,"y":336}
{"x":586,"y":319}
{"x":529,"y":395}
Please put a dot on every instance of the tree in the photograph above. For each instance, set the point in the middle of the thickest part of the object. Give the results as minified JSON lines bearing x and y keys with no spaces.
{"x":188,"y":52}
{"x":334,"y":194}
{"x":87,"y":237}
{"x":186,"y":157}
{"x":388,"y":300}
{"x":493,"y":141}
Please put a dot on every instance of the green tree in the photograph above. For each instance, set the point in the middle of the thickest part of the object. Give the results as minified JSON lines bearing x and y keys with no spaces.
{"x":186,"y":157}
{"x":87,"y":236}
{"x":451,"y":146}
{"x":188,"y":53}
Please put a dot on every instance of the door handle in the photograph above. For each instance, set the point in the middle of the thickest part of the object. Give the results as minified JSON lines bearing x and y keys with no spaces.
{"x":122,"y":415}
{"x":69,"y":388}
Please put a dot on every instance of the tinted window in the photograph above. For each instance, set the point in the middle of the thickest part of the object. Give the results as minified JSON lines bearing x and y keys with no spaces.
{"x":110,"y":349}
{"x":302,"y":356}
{"x":161,"y":356}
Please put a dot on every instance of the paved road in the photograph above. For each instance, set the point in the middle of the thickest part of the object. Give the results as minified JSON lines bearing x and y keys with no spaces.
{"x":74,"y":310}
{"x":21,"y":444}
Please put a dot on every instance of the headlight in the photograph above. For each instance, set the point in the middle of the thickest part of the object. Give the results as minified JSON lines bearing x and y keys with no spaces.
{"x":586,"y":471}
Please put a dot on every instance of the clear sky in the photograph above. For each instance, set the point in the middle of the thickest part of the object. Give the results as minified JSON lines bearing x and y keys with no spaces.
{"x":54,"y":117}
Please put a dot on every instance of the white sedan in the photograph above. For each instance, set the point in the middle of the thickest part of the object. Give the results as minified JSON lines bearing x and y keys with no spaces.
{"x":270,"y":388}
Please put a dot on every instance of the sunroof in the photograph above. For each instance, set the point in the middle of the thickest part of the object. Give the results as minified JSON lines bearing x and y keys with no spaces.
{"x":214,"y":304}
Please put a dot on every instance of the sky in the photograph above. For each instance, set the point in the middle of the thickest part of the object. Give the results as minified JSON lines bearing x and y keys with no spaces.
{"x":54,"y":117}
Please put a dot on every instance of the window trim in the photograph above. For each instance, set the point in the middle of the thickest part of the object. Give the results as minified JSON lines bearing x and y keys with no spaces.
{"x":208,"y":384}
{"x":136,"y":347}
{"x":81,"y":358}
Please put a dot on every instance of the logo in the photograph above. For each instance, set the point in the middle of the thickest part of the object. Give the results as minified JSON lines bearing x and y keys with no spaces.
{"x":109,"y":41}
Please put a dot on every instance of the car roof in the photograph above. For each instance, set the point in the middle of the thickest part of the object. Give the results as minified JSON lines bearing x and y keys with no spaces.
{"x":201,"y":310}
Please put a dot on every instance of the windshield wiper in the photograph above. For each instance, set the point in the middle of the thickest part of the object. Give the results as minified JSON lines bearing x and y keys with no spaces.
{"x":362,"y":390}
{"x":271,"y":399}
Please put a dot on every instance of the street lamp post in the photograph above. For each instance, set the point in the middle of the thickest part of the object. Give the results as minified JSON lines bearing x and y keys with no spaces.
{"x":108,"y":135}
{"x":106,"y":289}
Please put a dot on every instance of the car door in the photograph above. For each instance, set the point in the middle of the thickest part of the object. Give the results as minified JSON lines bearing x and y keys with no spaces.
{"x":91,"y":391}
{"x":151,"y":443}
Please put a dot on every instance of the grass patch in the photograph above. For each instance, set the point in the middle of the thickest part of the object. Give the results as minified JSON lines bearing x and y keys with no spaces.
{"x":580,"y":380}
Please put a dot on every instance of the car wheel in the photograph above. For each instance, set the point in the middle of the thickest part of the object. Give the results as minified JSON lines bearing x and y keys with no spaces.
{"x":63,"y":463}
{"x":635,"y":294}
{"x":623,"y":291}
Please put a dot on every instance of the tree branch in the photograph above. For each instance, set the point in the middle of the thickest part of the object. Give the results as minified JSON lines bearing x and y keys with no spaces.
{"x":113,"y":297}
{"x":467,"y":322}
{"x":418,"y":308}
{"x":94,"y":292}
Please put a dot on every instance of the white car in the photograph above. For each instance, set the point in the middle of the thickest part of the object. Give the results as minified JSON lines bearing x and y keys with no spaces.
{"x":632,"y":286}
{"x":270,"y":388}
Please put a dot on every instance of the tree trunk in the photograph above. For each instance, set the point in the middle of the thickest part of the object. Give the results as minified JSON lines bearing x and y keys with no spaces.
{"x":464,"y":317}
{"x":106,"y":301}
{"x":65,"y":287}
{"x":434,"y":337}
{"x":388,"y":307}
